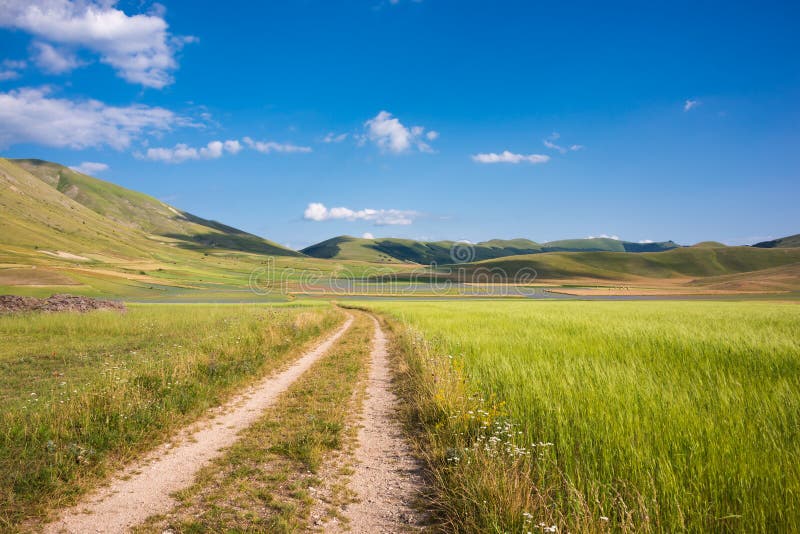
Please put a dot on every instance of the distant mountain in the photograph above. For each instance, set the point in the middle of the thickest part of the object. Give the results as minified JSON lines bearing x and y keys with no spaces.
{"x":604,"y":244}
{"x":792,"y":241}
{"x":684,"y":262}
{"x":393,"y":250}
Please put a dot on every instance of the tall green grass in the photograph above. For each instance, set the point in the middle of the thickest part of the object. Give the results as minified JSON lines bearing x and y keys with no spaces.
{"x":621,"y":416}
{"x":82,"y":393}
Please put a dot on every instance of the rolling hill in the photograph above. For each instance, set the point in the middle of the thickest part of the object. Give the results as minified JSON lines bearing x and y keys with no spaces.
{"x":605,"y":244}
{"x":136,"y":210}
{"x":681,"y":263}
{"x":792,"y":241}
{"x":393,"y":250}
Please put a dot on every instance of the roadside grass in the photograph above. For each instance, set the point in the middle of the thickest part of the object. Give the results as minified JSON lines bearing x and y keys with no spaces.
{"x":81,"y":394}
{"x":266,"y":482}
{"x":604,"y":417}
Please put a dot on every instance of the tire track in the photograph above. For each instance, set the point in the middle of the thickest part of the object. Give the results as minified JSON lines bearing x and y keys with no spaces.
{"x":387,"y":477}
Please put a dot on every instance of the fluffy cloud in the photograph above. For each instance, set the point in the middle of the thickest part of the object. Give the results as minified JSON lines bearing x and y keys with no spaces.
{"x":234,"y":147}
{"x":90,"y":167}
{"x":510,"y":157}
{"x":318,"y":212}
{"x":368,"y":235}
{"x":265,"y":147}
{"x":334,"y":138}
{"x":30,"y":115}
{"x":690,"y":104}
{"x":550,"y":142}
{"x":183,"y":152}
{"x":390,"y":135}
{"x":53,"y":60}
{"x":139,"y":47}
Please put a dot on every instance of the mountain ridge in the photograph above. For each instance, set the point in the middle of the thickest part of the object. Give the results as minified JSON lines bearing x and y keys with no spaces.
{"x":397,"y":250}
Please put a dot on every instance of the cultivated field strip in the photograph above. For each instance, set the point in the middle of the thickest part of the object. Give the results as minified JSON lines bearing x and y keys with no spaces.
{"x":145,"y":488}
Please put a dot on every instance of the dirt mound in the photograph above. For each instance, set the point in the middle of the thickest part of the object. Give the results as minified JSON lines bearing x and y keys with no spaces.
{"x":56,"y":303}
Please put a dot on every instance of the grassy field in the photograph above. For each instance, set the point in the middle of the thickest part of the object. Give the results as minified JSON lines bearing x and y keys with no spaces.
{"x":81,"y":394}
{"x":612,"y":416}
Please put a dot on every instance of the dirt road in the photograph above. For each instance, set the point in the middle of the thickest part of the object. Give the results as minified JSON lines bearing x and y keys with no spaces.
{"x":144,"y":489}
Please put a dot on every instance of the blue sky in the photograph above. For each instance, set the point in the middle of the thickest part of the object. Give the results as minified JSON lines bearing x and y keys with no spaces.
{"x":427,"y":119}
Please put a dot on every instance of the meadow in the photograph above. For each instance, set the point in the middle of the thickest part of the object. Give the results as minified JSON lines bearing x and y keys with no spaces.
{"x":84,"y":393}
{"x":604,"y":416}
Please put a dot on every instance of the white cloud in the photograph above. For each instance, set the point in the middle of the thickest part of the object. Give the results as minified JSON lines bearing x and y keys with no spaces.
{"x":368,"y":235}
{"x":90,"y":167}
{"x":183,"y":152}
{"x":318,"y":212}
{"x":334,"y":138}
{"x":53,"y":60}
{"x":138,"y":47}
{"x":265,"y":147}
{"x":390,"y":135}
{"x":14,"y":64}
{"x":11,"y":68}
{"x":549,"y":142}
{"x":690,"y":104}
{"x":234,"y":146}
{"x":30,"y":115}
{"x":604,"y":236}
{"x":510,"y":157}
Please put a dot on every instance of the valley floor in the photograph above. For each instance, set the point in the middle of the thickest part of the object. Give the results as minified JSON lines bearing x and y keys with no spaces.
{"x":460,"y":415}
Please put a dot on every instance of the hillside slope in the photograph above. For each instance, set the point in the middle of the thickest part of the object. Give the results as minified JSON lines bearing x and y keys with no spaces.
{"x":679,"y":263}
{"x":792,"y":241}
{"x":38,"y":216}
{"x":137,"y":210}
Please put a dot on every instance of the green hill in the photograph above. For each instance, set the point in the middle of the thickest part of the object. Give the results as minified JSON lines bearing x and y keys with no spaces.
{"x":792,"y":241}
{"x":709,"y":244}
{"x":391,"y":250}
{"x":136,"y":210}
{"x":395,"y":250}
{"x":677,"y":263}
{"x":605,"y":244}
{"x":349,"y":248}
{"x":37,"y":216}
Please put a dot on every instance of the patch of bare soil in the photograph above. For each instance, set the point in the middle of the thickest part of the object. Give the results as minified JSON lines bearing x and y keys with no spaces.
{"x":387,"y":478}
{"x":145,"y":488}
{"x":56,"y":303}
